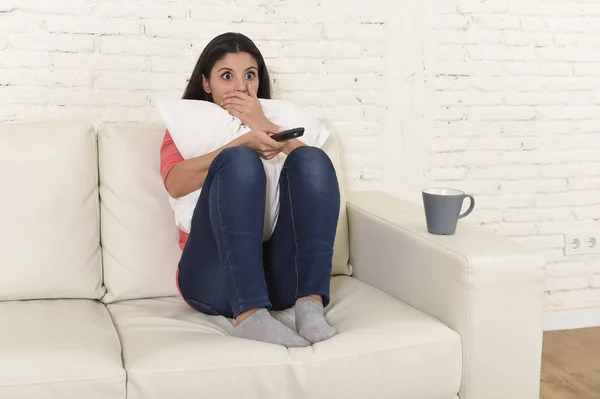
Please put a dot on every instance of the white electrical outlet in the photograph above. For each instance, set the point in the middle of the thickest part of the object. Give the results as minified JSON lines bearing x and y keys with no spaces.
{"x":582,"y":242}
{"x":592,"y":241}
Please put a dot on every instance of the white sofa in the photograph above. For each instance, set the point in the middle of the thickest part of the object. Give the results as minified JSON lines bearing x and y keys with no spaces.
{"x":89,"y":307}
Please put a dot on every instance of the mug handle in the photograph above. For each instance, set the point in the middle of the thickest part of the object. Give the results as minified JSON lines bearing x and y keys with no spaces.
{"x":471,"y":207}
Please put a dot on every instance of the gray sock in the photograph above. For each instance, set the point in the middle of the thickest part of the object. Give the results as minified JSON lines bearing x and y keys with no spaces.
{"x":261,"y":326}
{"x":311,"y":323}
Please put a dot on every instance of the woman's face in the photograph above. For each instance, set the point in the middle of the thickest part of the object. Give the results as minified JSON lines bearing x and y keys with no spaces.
{"x":235,"y":71}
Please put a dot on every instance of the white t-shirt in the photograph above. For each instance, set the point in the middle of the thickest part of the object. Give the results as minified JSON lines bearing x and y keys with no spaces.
{"x":273,"y":168}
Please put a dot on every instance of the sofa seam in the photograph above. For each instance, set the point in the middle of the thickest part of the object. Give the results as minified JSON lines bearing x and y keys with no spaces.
{"x":446,"y":342}
{"x":113,"y":329}
{"x":64,"y":381}
{"x":117,"y":337}
{"x":98,"y":202}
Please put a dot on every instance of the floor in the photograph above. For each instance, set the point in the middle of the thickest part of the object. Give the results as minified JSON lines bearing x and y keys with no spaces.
{"x":571,"y":364}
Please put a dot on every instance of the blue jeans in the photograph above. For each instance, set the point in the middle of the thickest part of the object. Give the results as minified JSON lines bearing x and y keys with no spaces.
{"x":226,"y":269}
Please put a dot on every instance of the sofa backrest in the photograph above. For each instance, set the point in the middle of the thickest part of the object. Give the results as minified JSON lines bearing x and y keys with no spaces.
{"x":86,"y":215}
{"x":139,"y":236}
{"x":49,"y":221}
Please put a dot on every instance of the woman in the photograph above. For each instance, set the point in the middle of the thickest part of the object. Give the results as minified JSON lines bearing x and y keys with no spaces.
{"x":228,"y":267}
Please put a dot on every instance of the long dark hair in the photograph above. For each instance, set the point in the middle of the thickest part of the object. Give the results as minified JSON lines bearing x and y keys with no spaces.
{"x":215,"y":50}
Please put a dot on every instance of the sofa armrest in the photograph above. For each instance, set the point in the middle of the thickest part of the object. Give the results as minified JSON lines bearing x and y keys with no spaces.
{"x":488,"y":289}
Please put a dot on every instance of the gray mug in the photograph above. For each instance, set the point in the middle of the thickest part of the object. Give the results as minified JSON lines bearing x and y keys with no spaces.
{"x":442,"y":209}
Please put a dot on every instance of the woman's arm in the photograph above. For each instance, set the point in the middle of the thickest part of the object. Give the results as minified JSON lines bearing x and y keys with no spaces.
{"x":294,"y":143}
{"x":189,"y":175}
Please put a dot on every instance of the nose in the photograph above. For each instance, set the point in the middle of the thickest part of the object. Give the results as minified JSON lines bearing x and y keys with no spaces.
{"x":240,"y":85}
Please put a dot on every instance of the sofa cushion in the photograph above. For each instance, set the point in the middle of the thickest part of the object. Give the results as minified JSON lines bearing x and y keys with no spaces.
{"x":341,"y":248}
{"x":139,"y":236}
{"x":66,"y":349}
{"x":384,"y":349}
{"x":49,"y":212}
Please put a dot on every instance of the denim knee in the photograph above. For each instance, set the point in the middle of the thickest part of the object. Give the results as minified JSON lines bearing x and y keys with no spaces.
{"x":240,"y":162}
{"x":312,"y":166}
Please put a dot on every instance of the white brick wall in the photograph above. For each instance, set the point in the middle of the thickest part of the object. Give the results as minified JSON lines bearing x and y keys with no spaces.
{"x":106,"y":60}
{"x":513,"y":97}
{"x":505,"y":94}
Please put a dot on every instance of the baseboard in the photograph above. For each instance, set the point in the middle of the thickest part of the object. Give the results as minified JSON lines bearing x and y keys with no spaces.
{"x":571,"y":319}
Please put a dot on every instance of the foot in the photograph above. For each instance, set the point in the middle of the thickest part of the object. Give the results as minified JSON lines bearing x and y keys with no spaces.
{"x":311,"y":323}
{"x":261,"y":326}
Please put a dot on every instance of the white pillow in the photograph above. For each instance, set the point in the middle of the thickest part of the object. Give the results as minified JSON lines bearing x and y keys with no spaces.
{"x":199,"y":127}
{"x":139,"y":239}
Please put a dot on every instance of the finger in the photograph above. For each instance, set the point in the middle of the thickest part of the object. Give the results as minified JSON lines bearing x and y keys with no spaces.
{"x":265,"y":149}
{"x":235,"y":112}
{"x":234,"y":100}
{"x":234,"y":107}
{"x":278,"y":144}
{"x":285,"y":144}
{"x":237,"y":94}
{"x":268,"y":140}
{"x":269,"y":151}
{"x":279,"y":147}
{"x":251,"y":91}
{"x":270,"y":154}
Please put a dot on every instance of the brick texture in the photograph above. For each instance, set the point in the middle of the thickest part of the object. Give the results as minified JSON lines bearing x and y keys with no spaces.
{"x":107,"y":60}
{"x":514,"y":104}
{"x":512,"y":92}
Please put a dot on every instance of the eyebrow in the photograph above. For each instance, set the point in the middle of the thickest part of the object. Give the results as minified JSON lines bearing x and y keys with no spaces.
{"x":229,"y":69}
